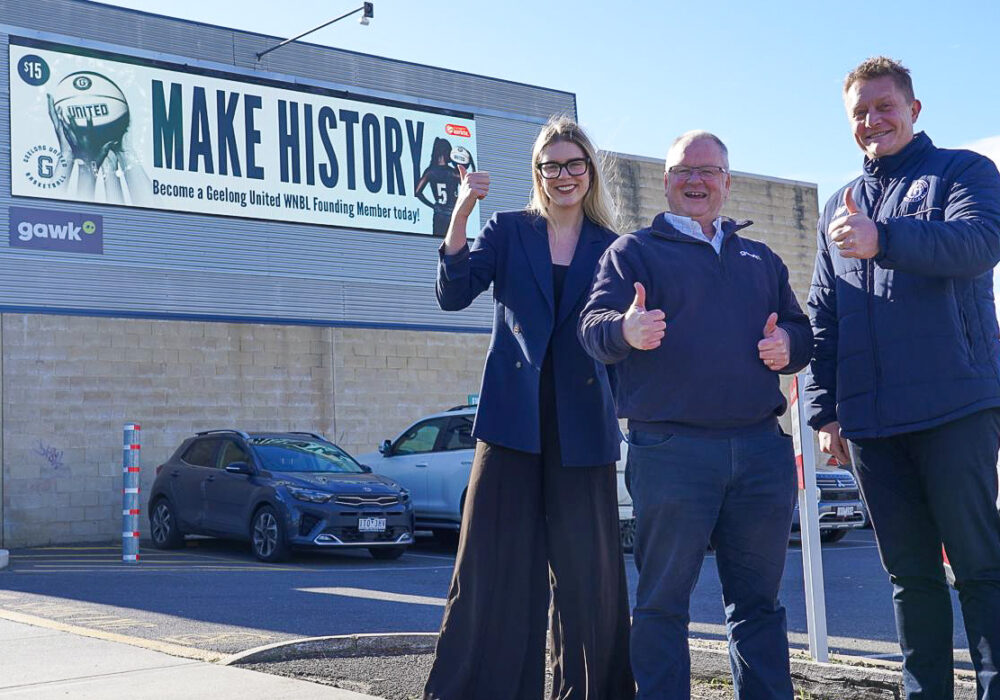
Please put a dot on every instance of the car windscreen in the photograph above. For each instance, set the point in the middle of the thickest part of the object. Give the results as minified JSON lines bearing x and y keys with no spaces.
{"x":297,"y":455}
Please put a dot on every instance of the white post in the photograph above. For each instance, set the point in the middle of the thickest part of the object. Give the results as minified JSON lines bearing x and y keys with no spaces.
{"x":812,"y":548}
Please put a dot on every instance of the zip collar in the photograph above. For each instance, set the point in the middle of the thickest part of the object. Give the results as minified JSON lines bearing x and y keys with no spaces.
{"x":887,"y":166}
{"x":663,"y":229}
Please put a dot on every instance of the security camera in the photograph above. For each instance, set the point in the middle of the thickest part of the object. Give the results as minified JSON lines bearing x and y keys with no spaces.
{"x":367,"y":13}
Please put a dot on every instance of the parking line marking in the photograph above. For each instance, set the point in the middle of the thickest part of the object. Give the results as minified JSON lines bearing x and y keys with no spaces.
{"x":430,"y":556}
{"x":154,"y":645}
{"x":378,"y":595}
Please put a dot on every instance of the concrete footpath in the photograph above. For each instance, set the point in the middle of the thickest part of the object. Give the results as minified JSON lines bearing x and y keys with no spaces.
{"x":42,"y":662}
{"x":42,"y":658}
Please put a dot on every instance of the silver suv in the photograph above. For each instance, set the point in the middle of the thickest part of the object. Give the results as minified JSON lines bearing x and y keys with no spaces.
{"x":432,"y":459}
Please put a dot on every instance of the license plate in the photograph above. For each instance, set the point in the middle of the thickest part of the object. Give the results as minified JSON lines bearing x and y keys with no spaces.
{"x":845,"y":511}
{"x":371,"y":524}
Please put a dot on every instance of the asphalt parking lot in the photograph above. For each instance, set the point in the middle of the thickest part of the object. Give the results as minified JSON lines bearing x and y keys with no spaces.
{"x":213,"y":598}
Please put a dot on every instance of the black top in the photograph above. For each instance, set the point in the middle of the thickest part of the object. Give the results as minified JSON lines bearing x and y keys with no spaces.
{"x":547,"y":379}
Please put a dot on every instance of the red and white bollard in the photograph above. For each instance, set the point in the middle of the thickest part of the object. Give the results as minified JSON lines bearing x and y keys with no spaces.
{"x":130,"y":494}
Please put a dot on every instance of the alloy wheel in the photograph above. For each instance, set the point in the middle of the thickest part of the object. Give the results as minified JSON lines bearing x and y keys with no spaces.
{"x":162,"y":523}
{"x":265,"y":534}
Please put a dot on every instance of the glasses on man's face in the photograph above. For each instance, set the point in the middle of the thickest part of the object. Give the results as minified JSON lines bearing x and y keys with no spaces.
{"x":550,"y":170}
{"x":705,"y":172}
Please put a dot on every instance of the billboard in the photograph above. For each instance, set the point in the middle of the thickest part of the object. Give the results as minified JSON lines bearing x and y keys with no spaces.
{"x":96,"y":127}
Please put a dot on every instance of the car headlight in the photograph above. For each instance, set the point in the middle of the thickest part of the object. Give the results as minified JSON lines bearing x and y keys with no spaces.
{"x":309,"y":495}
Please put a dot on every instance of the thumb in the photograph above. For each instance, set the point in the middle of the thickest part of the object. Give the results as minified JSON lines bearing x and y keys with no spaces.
{"x":852,"y":208}
{"x":771,"y":325}
{"x":461,"y":171}
{"x":640,"y":297}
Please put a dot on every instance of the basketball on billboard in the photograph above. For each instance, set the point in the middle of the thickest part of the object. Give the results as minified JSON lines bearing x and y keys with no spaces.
{"x":89,"y":101}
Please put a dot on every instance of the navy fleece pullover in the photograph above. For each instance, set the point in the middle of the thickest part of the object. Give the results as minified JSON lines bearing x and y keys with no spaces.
{"x":706,"y":377}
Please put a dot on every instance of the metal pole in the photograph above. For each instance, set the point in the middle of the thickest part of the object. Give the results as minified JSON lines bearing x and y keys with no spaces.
{"x":314,"y":29}
{"x":812,"y":548}
{"x":130,"y":493}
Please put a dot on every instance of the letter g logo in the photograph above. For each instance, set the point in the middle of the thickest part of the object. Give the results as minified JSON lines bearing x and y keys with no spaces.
{"x":24,"y":231}
{"x":45,"y":169}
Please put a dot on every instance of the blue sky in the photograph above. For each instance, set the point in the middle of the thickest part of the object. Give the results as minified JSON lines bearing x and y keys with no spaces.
{"x":766,"y":77}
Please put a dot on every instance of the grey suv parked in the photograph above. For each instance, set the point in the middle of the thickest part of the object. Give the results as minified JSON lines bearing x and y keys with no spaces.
{"x":840,"y":505}
{"x":277,"y":490}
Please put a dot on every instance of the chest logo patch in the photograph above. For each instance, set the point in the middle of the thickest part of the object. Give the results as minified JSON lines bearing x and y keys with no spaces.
{"x":917,"y":191}
{"x":747,"y":254}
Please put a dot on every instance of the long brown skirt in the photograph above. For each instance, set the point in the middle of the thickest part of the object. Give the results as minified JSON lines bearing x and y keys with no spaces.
{"x":532,"y":526}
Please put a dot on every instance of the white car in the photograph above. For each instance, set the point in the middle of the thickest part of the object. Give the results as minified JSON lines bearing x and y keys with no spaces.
{"x":432,"y":459}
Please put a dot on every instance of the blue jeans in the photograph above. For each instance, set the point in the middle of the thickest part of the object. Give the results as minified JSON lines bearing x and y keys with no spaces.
{"x":737,"y":494}
{"x":926,"y":488}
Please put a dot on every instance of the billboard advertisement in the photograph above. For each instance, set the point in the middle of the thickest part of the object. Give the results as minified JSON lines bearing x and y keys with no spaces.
{"x":96,"y":127}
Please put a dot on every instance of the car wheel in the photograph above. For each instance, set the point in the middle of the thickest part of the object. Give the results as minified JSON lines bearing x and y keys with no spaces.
{"x":387,"y":553}
{"x":163,"y":526}
{"x":267,"y":536}
{"x":627,"y":530}
{"x":831,"y":536}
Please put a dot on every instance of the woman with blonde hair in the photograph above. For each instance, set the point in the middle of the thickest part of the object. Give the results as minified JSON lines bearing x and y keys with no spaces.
{"x":540,"y":519}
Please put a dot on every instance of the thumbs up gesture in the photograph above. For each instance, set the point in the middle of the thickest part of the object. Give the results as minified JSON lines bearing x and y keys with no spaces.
{"x":854,"y":234}
{"x":774,"y":348}
{"x":472,"y":187}
{"x":643,"y":330}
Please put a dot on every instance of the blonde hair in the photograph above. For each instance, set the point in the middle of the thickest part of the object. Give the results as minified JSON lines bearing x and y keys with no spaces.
{"x":880,"y":67}
{"x":598,"y":204}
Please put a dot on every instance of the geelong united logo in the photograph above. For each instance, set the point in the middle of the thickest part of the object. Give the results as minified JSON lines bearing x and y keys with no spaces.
{"x":917,"y":191}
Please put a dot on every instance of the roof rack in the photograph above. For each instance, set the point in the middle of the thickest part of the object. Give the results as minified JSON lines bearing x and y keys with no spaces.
{"x":224,"y":430}
{"x":306,"y":432}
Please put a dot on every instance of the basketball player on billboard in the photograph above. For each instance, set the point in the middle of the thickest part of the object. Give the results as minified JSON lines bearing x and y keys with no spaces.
{"x":443,"y":175}
{"x":90,"y":116}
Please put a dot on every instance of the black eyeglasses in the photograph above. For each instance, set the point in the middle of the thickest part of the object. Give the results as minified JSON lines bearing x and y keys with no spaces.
{"x":551,"y":170}
{"x":705,"y":172}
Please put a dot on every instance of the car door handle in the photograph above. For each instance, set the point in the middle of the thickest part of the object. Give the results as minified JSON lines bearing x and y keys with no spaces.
{"x":467,"y":463}
{"x":175,"y":472}
{"x":424,"y":465}
{"x":210,"y":478}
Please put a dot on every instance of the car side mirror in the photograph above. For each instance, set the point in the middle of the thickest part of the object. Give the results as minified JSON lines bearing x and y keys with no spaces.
{"x":368,"y":470}
{"x":239,"y":468}
{"x":385,"y":447}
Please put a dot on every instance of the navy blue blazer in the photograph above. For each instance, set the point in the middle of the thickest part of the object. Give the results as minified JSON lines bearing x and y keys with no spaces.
{"x":512,"y":253}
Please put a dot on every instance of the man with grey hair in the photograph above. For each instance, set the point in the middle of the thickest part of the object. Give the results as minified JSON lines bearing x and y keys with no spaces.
{"x":698,"y":322}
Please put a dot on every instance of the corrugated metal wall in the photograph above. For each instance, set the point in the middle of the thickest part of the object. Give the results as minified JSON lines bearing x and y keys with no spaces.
{"x":168,"y":264}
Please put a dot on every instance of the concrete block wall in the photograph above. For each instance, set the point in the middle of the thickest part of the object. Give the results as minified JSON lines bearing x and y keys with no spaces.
{"x":70,"y":383}
{"x":386,"y":379}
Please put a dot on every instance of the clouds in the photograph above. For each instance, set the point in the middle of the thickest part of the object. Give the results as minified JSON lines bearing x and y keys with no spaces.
{"x":989,"y":147}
